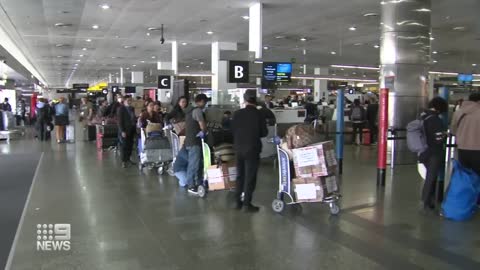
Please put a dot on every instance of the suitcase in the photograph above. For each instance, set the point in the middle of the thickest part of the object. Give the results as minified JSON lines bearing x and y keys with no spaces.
{"x":367,"y":137}
{"x":105,"y":143}
{"x":8,"y":120}
{"x":90,"y":133}
{"x":70,"y":133}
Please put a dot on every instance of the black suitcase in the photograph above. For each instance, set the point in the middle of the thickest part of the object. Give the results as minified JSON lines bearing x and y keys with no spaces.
{"x":90,"y":133}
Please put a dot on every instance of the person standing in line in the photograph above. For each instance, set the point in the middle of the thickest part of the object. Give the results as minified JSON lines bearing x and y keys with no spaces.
{"x":372,"y":119}
{"x":177,"y":114}
{"x":434,"y":156}
{"x":248,"y":126}
{"x":6,"y":106}
{"x":195,"y":130}
{"x":358,"y":117}
{"x":22,"y":109}
{"x":268,"y":102}
{"x":61,"y":119}
{"x":466,"y":127}
{"x":44,"y":120}
{"x":126,"y":129}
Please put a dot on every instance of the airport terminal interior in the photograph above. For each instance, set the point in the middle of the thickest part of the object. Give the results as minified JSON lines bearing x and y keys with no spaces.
{"x":109,"y":106}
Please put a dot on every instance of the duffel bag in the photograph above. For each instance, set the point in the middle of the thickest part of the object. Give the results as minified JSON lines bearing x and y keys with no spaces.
{"x":301,"y":135}
{"x":224,"y":153}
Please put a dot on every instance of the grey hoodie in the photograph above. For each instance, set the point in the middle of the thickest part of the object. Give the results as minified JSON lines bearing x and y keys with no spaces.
{"x":466,"y":126}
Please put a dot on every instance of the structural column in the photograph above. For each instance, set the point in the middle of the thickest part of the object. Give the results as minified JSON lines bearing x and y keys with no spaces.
{"x":320,"y":87}
{"x":255,"y":43}
{"x":405,"y":58}
{"x":220,"y":83}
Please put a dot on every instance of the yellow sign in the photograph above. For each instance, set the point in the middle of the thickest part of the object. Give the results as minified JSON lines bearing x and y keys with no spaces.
{"x":98,"y":87}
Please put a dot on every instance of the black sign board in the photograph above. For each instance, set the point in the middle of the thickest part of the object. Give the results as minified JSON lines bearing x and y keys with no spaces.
{"x":81,"y":86}
{"x":238,"y":72}
{"x":116,"y":89}
{"x":164,"y":82}
{"x":130,"y":89}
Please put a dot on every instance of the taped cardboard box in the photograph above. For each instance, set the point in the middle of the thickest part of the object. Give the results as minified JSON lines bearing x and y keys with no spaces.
{"x":221,"y":177}
{"x":181,"y":141}
{"x":315,"y":160}
{"x":314,"y":189}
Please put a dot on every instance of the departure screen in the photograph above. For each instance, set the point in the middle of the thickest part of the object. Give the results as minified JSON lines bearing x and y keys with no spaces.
{"x":277,"y":72}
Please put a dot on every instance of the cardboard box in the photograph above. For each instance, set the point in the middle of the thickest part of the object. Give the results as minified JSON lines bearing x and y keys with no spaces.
{"x":315,"y":160}
{"x":222,"y":177}
{"x":314,"y":189}
{"x":181,"y":141}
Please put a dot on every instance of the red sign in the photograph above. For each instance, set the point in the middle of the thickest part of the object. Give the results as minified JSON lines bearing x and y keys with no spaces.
{"x":383,"y":129}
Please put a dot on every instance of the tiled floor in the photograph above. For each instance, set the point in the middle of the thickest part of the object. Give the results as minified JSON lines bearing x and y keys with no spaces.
{"x":121,"y":219}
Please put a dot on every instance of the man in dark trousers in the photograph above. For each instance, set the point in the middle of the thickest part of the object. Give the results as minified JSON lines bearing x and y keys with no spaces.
{"x":248,"y":126}
{"x":126,"y":129}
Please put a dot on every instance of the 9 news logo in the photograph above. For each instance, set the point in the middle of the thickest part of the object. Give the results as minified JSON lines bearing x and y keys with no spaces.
{"x":53,"y":237}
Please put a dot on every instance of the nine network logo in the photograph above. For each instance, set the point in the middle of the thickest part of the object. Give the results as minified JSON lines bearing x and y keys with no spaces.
{"x":53,"y":237}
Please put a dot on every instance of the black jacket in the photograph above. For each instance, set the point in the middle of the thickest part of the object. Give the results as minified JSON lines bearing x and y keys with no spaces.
{"x":435,"y":133}
{"x":372,"y":113}
{"x":126,"y":123}
{"x":248,"y":126}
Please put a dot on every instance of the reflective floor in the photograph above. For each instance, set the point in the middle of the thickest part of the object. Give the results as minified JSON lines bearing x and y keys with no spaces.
{"x":121,"y":219}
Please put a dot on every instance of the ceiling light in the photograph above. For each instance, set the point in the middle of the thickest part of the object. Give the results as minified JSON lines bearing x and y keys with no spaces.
{"x":63,"y":24}
{"x":435,"y":61}
{"x":352,"y":28}
{"x":432,"y":38}
{"x":333,"y":52}
{"x":246,"y":17}
{"x":88,"y":40}
{"x":114,"y":57}
{"x":142,"y":61}
{"x":423,"y":10}
{"x":81,"y":55}
{"x":187,"y":66}
{"x":78,"y":60}
{"x":376,"y":46}
{"x":354,"y":67}
{"x":76,"y":64}
{"x":210,"y":33}
{"x":129,"y":47}
{"x":474,"y":65}
{"x":148,"y":33}
{"x":105,"y":6}
{"x":84,"y":49}
{"x":201,"y":63}
{"x":370,"y":14}
{"x":134,"y":65}
{"x":265,"y":47}
{"x":127,"y":68}
{"x":358,"y":44}
{"x":434,"y":52}
{"x":184,"y":43}
{"x":279,"y":37}
{"x":303,"y":39}
{"x":59,"y":56}
{"x":459,"y":28}
{"x":153,"y":57}
{"x":95,"y":26}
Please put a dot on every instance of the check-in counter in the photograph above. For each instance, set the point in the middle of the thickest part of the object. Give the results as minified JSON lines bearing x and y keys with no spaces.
{"x":290,"y":116}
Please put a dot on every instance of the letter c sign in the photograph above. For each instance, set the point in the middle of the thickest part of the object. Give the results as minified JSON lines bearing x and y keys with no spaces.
{"x":238,"y":72}
{"x":164,"y":82}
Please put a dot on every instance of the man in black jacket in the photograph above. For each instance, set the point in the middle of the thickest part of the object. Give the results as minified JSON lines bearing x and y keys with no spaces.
{"x":434,"y":156}
{"x":126,"y":129}
{"x":248,"y":126}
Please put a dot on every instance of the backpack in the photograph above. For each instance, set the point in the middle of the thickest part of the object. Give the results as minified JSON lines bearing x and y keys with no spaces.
{"x":358,"y":114}
{"x":416,"y":136}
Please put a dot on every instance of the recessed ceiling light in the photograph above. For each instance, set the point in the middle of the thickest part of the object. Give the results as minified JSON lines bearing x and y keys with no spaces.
{"x":265,"y":47}
{"x":358,"y":44}
{"x":432,"y":38}
{"x":303,"y":39}
{"x":352,"y":28}
{"x":474,"y":65}
{"x":59,"y":56}
{"x":81,"y":55}
{"x":435,"y":61}
{"x":84,"y":49}
{"x":153,"y":57}
{"x":246,"y":17}
{"x":279,"y":37}
{"x":434,"y":52}
{"x":134,"y":65}
{"x":78,"y":60}
{"x":371,"y":14}
{"x":76,"y":64}
{"x":201,"y":63}
{"x":376,"y":46}
{"x":184,"y":43}
{"x":129,"y":47}
{"x":114,"y":57}
{"x":459,"y":28}
{"x":333,"y":52}
{"x":142,"y":61}
{"x":187,"y":66}
{"x":210,"y":32}
{"x":95,"y":26}
{"x":88,"y":40}
{"x":423,"y":10}
{"x":354,"y":73}
{"x":148,"y":33}
{"x":127,"y":68}
{"x":63,"y":24}
{"x":104,"y":6}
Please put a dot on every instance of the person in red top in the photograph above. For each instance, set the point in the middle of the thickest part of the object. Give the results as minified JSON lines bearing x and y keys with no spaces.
{"x":150,"y":115}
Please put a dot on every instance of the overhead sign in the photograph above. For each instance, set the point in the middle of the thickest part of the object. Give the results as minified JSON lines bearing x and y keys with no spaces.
{"x":164,"y":82}
{"x":238,"y":72}
{"x":277,"y":72}
{"x":116,"y":89}
{"x":81,"y":86}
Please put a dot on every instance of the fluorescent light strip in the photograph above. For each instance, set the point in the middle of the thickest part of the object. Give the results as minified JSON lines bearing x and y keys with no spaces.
{"x":195,"y":74}
{"x":332,"y":79}
{"x":355,"y":67}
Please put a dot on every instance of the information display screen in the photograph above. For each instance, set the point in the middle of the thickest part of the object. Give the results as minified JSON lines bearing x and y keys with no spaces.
{"x":130,"y":89}
{"x":277,"y":72}
{"x":465,"y":77}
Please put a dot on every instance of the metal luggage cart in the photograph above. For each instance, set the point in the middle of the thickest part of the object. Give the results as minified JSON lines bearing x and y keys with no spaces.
{"x":153,"y":158}
{"x":285,"y":185}
{"x":175,"y":143}
{"x":207,"y":162}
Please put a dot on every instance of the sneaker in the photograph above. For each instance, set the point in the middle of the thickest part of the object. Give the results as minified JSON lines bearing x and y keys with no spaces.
{"x":251,"y":208}
{"x":193,"y":190}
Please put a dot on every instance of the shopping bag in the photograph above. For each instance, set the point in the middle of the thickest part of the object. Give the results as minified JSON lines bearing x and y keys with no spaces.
{"x":462,"y":193}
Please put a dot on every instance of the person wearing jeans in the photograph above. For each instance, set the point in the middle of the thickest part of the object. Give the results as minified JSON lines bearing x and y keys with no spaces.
{"x":195,"y":131}
{"x":126,"y":128}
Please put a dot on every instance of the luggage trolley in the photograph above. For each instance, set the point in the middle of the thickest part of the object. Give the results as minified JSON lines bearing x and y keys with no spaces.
{"x":285,"y":185}
{"x":175,"y":143}
{"x":157,"y":157}
{"x":207,"y":162}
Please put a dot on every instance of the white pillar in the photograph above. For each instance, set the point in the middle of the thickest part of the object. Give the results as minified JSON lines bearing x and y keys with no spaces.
{"x":175,"y":57}
{"x":304,"y":73}
{"x":220,"y":71}
{"x":121,"y":76}
{"x":320,"y":87}
{"x":110,"y":78}
{"x":137,"y":77}
{"x":255,"y":43}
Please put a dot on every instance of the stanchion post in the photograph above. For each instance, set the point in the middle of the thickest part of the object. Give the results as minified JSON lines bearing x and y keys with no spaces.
{"x":340,"y":138}
{"x":382,"y":137}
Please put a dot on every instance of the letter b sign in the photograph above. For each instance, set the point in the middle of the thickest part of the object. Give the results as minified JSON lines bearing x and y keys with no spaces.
{"x":238,"y":72}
